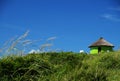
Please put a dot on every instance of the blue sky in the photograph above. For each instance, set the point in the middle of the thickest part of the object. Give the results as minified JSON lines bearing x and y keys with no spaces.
{"x":75,"y":23}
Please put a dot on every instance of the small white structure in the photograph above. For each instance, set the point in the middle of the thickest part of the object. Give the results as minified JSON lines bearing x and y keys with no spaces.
{"x":108,"y":50}
{"x":34,"y":51}
{"x":82,"y":51}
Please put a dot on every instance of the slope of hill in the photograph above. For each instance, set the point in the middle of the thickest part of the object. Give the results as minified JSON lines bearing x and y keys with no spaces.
{"x":62,"y":66}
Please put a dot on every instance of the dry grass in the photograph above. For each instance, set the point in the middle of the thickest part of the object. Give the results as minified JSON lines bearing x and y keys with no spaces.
{"x":20,"y":45}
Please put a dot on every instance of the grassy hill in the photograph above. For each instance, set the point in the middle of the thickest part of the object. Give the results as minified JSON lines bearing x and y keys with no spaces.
{"x":62,"y":66}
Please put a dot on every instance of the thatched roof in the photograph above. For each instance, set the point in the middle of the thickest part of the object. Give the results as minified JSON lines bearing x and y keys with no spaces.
{"x":101,"y":42}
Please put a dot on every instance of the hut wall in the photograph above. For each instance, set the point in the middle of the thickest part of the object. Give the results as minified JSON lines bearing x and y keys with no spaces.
{"x":106,"y":49}
{"x":94,"y":50}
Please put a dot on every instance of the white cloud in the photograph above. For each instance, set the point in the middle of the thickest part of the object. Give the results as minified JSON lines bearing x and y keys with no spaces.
{"x":111,"y":17}
{"x":51,"y":38}
{"x":115,"y":8}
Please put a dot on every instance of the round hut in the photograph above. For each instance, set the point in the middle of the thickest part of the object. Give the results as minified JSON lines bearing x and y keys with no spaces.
{"x":101,"y":45}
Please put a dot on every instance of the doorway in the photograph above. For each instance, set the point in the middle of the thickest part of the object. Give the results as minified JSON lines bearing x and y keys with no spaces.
{"x":99,"y":49}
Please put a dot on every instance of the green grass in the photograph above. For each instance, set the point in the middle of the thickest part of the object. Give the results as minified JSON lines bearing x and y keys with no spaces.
{"x":62,"y":66}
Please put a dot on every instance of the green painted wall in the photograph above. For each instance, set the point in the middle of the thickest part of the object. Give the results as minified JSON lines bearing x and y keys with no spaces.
{"x":94,"y":50}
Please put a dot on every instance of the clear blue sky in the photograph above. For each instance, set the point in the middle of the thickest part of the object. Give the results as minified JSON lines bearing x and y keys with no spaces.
{"x":75,"y":23}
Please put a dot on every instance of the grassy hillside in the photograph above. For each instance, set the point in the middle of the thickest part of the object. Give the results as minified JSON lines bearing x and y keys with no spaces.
{"x":63,"y":66}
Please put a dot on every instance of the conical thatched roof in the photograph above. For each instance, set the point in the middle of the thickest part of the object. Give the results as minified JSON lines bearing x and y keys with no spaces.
{"x":101,"y":42}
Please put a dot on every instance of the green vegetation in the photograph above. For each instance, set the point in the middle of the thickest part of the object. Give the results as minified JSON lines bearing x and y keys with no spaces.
{"x":62,"y":66}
